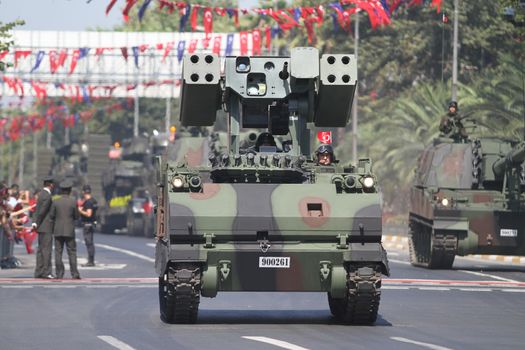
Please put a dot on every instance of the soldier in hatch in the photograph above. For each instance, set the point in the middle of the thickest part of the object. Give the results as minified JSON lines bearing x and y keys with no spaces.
{"x":451,"y":125}
{"x":325,"y":155}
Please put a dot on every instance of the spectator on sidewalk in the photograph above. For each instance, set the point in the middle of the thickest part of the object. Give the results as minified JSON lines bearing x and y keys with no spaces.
{"x":43,"y":227}
{"x":63,"y":214}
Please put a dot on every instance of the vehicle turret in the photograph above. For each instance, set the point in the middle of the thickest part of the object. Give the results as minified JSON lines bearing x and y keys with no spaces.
{"x":261,"y":214}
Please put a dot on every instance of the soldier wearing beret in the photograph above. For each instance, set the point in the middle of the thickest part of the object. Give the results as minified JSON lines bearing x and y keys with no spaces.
{"x":45,"y":232}
{"x":63,"y":214}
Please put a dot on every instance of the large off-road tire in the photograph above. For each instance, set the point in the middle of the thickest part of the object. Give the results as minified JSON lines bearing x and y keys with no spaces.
{"x":361,"y":303}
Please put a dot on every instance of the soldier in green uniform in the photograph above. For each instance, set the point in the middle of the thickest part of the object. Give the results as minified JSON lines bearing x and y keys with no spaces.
{"x":63,"y":214}
{"x":451,"y":124}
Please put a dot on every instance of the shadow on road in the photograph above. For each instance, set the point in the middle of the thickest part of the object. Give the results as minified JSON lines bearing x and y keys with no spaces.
{"x":272,"y":317}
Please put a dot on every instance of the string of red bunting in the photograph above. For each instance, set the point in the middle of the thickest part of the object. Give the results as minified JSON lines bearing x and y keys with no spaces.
{"x":379,"y":13}
{"x":75,"y":92}
{"x":22,"y":125}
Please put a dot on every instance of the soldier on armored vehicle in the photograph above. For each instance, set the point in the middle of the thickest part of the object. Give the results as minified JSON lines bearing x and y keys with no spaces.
{"x":271,"y":219}
{"x":468,"y":197}
{"x":451,"y":124}
{"x":325,"y":155}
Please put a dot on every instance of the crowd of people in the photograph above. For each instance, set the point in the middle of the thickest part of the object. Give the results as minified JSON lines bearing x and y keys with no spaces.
{"x":50,"y":217}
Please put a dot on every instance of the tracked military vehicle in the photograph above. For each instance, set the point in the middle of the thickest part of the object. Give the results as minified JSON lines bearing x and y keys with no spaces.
{"x":269,"y":218}
{"x":468,"y":198}
{"x":127,"y":186}
{"x":70,"y":162}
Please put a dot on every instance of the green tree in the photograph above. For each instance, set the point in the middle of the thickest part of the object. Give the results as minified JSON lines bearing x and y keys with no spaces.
{"x":6,"y":40}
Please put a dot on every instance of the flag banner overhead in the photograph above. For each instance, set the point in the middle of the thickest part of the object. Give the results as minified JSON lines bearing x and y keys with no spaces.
{"x":150,"y":61}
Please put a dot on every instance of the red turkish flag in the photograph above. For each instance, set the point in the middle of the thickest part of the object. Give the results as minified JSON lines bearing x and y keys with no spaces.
{"x":217,"y":44}
{"x":193,"y":45}
{"x":110,"y":6}
{"x":74,"y":59}
{"x":256,"y":42}
{"x":193,"y":19}
{"x":325,"y":137}
{"x":208,"y":21}
{"x":268,"y":35}
{"x":20,"y":53}
{"x":244,"y":43}
{"x":53,"y":61}
{"x":167,"y":50}
{"x":62,"y":58}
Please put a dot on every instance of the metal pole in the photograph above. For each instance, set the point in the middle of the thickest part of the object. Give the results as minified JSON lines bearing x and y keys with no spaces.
{"x":66,"y":135}
{"x":168,"y":114}
{"x":21,"y":163}
{"x":455,"y":53}
{"x":48,"y":139}
{"x":9,"y":162}
{"x":355,"y":106}
{"x":136,"y":113}
{"x":35,"y":157}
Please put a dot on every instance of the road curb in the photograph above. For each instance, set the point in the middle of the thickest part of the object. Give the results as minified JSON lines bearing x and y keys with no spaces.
{"x":395,"y":242}
{"x":401,"y":243}
{"x":499,"y":258}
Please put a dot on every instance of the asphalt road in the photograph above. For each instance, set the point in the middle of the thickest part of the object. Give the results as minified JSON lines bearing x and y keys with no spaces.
{"x":478,"y":305}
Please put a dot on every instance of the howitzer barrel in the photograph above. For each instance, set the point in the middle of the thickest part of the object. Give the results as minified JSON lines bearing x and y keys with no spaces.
{"x":515,"y":157}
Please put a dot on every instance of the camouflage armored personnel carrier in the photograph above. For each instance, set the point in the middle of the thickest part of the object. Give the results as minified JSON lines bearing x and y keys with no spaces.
{"x":262,"y":219}
{"x":468,"y":198}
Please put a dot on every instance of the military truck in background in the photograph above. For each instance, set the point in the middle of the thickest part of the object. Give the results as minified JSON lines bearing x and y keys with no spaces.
{"x":70,"y":163}
{"x":127,"y":185}
{"x":468,"y":198}
{"x":80,"y":162}
{"x":268,"y":218}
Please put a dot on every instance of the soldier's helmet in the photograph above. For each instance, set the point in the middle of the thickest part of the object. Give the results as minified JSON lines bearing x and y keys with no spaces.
{"x":264,"y":139}
{"x":325,"y":149}
{"x":453,"y":104}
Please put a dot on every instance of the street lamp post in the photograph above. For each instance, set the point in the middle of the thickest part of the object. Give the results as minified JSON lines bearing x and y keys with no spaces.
{"x":455,"y":52}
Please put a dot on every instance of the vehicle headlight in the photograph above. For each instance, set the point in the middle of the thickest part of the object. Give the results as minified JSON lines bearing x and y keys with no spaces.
{"x":445,"y":202}
{"x":177,"y":182}
{"x":195,"y":181}
{"x":349,"y":182}
{"x":368,"y":182}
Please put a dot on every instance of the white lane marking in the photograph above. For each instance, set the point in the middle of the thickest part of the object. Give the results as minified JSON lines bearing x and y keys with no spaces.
{"x":276,"y":342}
{"x":399,"y":261}
{"x":18,"y":287}
{"x":115,"y":342}
{"x":514,"y":290}
{"x":488,"y":275}
{"x":475,"y":289}
{"x":433,"y":288}
{"x":151,"y":245}
{"x":125,"y":251}
{"x":98,"y":266}
{"x":415,"y":342}
{"x":395,"y":287}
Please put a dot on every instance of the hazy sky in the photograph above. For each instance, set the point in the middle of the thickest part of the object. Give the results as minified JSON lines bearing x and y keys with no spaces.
{"x":68,"y":14}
